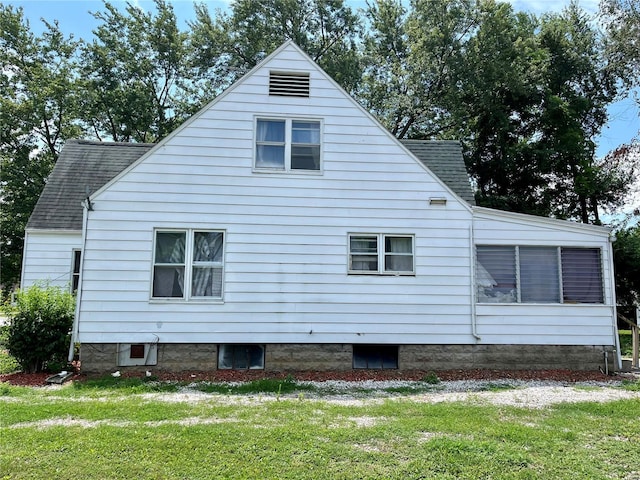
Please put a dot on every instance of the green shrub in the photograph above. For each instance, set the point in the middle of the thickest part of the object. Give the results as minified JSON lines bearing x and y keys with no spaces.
{"x":40,"y":325}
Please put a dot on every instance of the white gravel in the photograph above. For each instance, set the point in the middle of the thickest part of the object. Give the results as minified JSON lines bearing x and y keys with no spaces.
{"x":520,"y":393}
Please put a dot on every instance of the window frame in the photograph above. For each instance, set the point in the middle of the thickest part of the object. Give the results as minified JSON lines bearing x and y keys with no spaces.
{"x":559,"y":272}
{"x":189,"y":265}
{"x":381,"y":254}
{"x":234,"y":347}
{"x":367,"y":353}
{"x":76,"y":264}
{"x":288,"y":145}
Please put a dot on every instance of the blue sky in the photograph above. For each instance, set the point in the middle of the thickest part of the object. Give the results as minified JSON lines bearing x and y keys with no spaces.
{"x":74,"y":18}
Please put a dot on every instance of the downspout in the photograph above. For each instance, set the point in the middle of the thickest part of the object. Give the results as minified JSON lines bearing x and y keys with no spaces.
{"x":614,"y":310}
{"x":76,"y":318}
{"x":472,"y":293}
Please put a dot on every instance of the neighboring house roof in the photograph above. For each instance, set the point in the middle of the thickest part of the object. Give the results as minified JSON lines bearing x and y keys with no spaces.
{"x":82,"y":167}
{"x":85,"y":166}
{"x":444,"y":159}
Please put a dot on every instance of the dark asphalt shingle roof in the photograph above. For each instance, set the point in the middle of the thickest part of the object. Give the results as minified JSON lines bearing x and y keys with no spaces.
{"x":85,"y":166}
{"x":444,"y":159}
{"x":82,"y":167}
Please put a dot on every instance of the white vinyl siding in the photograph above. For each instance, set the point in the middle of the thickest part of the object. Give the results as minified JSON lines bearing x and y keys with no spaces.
{"x":286,"y":250}
{"x":286,"y":253}
{"x":48,"y":257}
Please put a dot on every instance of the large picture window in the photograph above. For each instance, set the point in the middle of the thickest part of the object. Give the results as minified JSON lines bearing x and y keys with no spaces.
{"x":285,"y":144}
{"x":381,"y":254}
{"x":188,"y":264}
{"x":532,"y":274}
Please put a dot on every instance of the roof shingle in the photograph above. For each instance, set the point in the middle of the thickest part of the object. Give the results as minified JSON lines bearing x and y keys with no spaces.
{"x":82,"y":168}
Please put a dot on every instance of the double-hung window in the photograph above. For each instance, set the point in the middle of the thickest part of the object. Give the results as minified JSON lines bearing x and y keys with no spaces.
{"x":538,"y":274}
{"x":188,"y":264}
{"x":287,"y":144}
{"x":381,"y":254}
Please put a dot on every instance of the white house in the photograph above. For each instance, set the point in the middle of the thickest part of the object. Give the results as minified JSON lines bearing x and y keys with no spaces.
{"x":282,"y":227}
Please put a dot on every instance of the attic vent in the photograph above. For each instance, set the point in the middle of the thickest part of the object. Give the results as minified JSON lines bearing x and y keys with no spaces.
{"x":289,"y":84}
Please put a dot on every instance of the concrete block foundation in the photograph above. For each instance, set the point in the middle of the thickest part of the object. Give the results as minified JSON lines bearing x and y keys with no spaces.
{"x":176,"y":357}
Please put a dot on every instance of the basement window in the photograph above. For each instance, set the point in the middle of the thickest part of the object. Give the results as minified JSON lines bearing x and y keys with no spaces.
{"x":241,"y":357}
{"x":375,"y":356}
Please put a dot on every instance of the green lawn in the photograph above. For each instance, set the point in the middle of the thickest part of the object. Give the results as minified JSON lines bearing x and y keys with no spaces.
{"x":125,"y":429}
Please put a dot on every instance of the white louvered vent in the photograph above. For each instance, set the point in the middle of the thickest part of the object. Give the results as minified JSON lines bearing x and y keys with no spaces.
{"x":287,"y":84}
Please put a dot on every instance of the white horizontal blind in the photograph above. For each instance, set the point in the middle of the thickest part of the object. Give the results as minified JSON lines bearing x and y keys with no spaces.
{"x":582,"y":275}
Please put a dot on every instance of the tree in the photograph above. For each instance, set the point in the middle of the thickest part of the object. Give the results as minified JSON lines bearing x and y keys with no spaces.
{"x":136,"y":85}
{"x":621,"y":20}
{"x":626,"y":254}
{"x":38,"y":112}
{"x":496,"y":106}
{"x":578,"y":88}
{"x":410,"y":62}
{"x":228,"y":45}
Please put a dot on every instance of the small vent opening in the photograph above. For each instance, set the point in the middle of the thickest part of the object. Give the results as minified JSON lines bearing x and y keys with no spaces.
{"x":289,"y":84}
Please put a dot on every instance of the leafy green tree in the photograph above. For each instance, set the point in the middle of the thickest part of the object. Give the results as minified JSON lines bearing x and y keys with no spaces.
{"x":496,"y":106}
{"x":411,"y":57}
{"x":38,"y":112}
{"x":578,"y":88}
{"x":40,"y":327}
{"x":621,"y":20}
{"x":626,"y":254}
{"x":136,"y":85}
{"x":22,"y":177}
{"x":227,"y":45}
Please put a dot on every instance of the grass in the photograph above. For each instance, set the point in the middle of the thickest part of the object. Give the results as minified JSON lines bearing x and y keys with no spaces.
{"x":126,"y":428}
{"x":626,"y":346}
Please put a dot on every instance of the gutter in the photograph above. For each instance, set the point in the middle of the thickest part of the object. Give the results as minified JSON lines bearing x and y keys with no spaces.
{"x":86,"y":206}
{"x":472,"y":283}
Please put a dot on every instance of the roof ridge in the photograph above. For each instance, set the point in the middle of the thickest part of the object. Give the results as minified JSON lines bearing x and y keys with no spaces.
{"x":110,"y":144}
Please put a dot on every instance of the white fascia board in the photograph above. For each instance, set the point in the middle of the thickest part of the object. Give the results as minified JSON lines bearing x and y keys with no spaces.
{"x":492,"y":214}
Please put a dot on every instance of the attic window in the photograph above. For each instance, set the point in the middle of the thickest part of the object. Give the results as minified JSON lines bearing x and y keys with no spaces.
{"x":289,"y":84}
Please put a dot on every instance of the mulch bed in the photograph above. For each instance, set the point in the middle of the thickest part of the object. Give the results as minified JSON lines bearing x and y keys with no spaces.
{"x":570,"y":376}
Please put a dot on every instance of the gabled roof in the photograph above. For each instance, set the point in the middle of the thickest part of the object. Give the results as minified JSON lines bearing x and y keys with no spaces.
{"x":444,"y":159}
{"x":85,"y":166}
{"x":82,"y":168}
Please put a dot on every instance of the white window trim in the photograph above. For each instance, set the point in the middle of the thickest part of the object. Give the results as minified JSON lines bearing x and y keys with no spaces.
{"x":188,"y":266}
{"x":287,"y":145}
{"x":381,"y":255}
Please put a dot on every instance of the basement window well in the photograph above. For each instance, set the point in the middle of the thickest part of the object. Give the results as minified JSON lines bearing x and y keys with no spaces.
{"x":375,"y":356}
{"x":241,"y":357}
